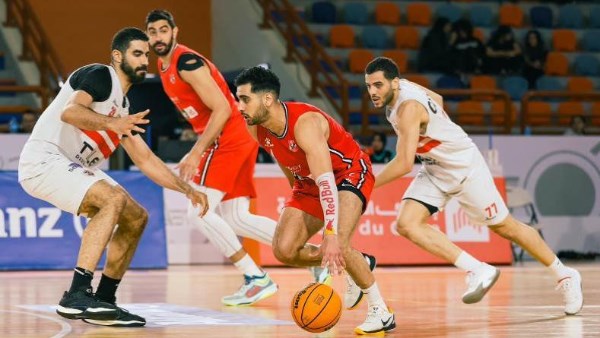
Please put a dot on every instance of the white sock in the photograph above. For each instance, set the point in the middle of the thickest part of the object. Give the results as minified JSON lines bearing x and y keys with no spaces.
{"x":467,"y":262}
{"x":558,"y":269}
{"x":247,"y":266}
{"x":374,"y":297}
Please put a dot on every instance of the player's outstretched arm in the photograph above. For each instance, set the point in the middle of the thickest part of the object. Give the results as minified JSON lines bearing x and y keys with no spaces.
{"x":157,"y":171}
{"x":78,"y":113}
{"x":408,"y":119}
{"x":312,"y":133}
{"x":210,"y":93}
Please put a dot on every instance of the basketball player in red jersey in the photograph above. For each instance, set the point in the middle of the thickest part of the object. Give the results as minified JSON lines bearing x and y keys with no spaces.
{"x":222,"y":161}
{"x":331,"y":180}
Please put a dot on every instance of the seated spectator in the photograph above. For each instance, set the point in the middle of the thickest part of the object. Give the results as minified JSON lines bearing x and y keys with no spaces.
{"x":467,"y":51}
{"x":378,"y":152}
{"x":28,"y":122}
{"x":577,"y":126}
{"x":534,"y":54}
{"x":503,"y":53}
{"x":435,"y":48}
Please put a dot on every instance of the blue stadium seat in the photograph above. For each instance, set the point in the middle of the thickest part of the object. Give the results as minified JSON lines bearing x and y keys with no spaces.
{"x":541,"y":16}
{"x":516,"y":86}
{"x":323,"y":12}
{"x":481,"y":15}
{"x":356,"y":13}
{"x":449,"y":11}
{"x":374,"y":37}
{"x":449,"y":82}
{"x":588,"y":65}
{"x":594,"y":16}
{"x":548,"y":83}
{"x":590,"y":41}
{"x":570,"y":16}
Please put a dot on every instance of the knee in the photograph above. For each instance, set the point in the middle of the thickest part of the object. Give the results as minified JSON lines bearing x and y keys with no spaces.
{"x":406,"y":227}
{"x":116,"y":199}
{"x":284,"y":254}
{"x":506,"y":229}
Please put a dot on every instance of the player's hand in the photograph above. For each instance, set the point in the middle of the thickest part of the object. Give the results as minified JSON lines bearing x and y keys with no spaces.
{"x":332,"y":255}
{"x":188,"y":166}
{"x":198,"y":199}
{"x":126,"y":124}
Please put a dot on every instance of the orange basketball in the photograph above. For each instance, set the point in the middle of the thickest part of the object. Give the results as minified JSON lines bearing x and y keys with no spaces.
{"x":316,"y":308}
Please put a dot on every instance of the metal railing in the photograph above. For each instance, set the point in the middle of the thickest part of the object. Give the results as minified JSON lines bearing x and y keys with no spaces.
{"x":36,"y":45}
{"x":303,"y":46}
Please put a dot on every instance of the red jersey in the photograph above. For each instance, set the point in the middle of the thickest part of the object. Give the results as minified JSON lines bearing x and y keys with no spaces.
{"x":191,"y":106}
{"x":344,"y":150}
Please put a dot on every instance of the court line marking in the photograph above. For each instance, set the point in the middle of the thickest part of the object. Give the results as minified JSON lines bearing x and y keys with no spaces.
{"x":66,"y":328}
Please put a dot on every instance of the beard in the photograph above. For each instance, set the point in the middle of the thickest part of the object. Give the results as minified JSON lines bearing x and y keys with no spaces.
{"x":132,"y":74}
{"x":165,"y":51}
{"x":261,"y":116}
{"x":388,"y":97}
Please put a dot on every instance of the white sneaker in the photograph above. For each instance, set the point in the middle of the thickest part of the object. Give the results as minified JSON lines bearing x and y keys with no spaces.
{"x":321,"y":275}
{"x":379,"y":320}
{"x":254,"y":289}
{"x":479,"y":282}
{"x":572,"y":292}
{"x":354,"y":294}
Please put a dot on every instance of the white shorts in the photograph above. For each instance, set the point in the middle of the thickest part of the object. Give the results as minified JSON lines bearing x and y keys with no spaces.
{"x":477,"y":195}
{"x":61,"y":183}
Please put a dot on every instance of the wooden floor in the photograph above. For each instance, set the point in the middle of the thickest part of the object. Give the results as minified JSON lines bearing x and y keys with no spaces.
{"x":185,"y":302}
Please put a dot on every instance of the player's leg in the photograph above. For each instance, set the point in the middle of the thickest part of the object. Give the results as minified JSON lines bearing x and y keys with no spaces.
{"x":87,"y":192}
{"x":484,"y":204}
{"x":421,"y":200}
{"x":121,"y":248}
{"x":217,"y":172}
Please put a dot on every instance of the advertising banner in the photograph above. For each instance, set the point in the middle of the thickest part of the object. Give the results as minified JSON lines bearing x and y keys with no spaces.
{"x":37,"y":235}
{"x":376,"y":235}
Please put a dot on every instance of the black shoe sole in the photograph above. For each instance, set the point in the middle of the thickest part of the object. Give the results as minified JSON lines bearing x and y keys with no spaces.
{"x":87,"y":315}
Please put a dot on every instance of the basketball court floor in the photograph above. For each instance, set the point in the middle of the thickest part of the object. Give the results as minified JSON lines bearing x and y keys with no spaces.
{"x":184,"y":301}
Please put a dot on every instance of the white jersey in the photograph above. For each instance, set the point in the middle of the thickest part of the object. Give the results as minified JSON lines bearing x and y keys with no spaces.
{"x":87,"y":148}
{"x":447,"y":153}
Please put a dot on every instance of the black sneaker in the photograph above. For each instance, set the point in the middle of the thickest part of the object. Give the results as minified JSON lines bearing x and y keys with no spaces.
{"x":124,"y":319}
{"x":82,"y":304}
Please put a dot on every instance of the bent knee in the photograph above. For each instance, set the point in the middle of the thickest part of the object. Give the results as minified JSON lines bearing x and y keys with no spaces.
{"x":405,"y":226}
{"x":285,"y":255}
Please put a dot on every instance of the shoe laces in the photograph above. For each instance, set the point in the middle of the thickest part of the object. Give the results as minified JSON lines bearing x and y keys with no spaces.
{"x":373,"y":314}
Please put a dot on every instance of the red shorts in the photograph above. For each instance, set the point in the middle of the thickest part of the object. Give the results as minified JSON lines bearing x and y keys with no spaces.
{"x":229,"y":169}
{"x":359,"y":179}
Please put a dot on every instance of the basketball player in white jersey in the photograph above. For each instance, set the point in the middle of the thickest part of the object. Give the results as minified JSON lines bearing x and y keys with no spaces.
{"x":59,"y":164}
{"x":452,"y":167}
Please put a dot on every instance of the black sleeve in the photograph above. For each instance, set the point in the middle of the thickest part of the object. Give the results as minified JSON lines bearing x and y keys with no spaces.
{"x":189,"y":61}
{"x":94,"y":80}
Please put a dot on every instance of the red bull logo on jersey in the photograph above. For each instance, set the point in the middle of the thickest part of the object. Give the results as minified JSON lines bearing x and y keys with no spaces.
{"x":459,"y":227}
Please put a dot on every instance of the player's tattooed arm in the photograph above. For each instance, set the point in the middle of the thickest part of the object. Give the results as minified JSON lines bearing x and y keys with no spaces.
{"x":78,"y":113}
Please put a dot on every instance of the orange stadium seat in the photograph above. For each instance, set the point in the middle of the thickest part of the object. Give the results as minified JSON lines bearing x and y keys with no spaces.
{"x":387,"y":13}
{"x":538,"y":113}
{"x":470,"y":112}
{"x":483,"y":82}
{"x":596,"y":114}
{"x":399,"y":57}
{"x":566,"y":110}
{"x":498,"y":114}
{"x":479,"y":35}
{"x":418,"y":79}
{"x":358,"y":60}
{"x":580,"y":84}
{"x":341,"y":36}
{"x":511,"y":15}
{"x":407,"y":37}
{"x":564,"y":40}
{"x":557,"y":64}
{"x":418,"y":14}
